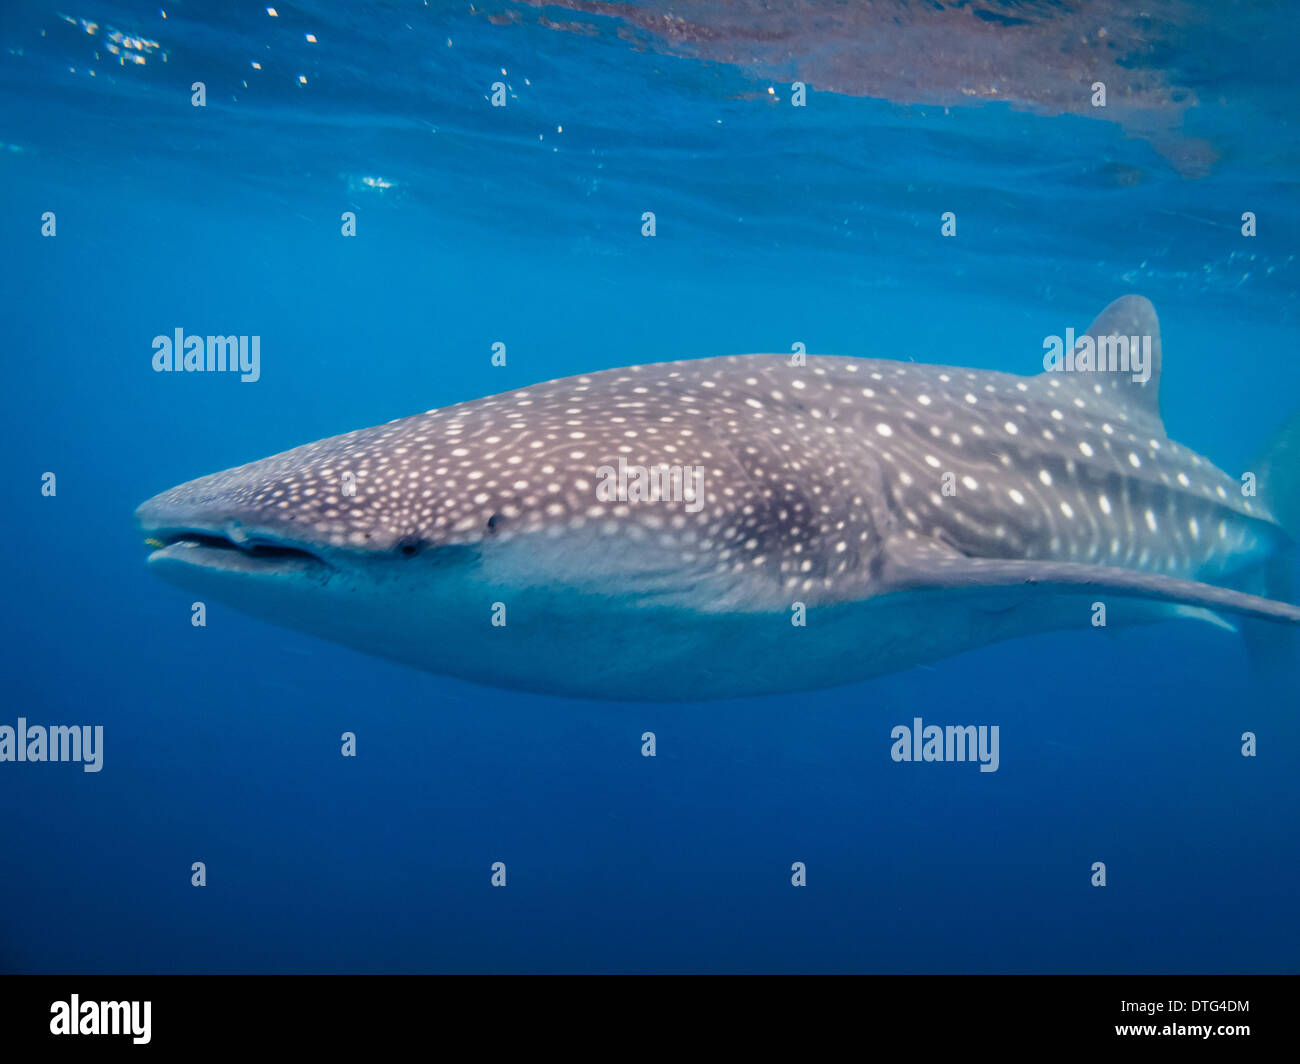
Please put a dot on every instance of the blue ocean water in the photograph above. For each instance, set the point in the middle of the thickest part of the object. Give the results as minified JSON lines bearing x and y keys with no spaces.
{"x":523,"y":225}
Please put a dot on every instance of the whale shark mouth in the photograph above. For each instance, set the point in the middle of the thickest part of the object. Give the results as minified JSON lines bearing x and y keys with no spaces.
{"x":211,"y":550}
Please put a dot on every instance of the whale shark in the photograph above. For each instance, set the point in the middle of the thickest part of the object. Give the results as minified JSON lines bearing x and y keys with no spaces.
{"x":742,"y":525}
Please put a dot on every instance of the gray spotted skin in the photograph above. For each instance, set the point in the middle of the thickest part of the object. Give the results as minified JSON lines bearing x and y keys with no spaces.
{"x":1052,"y":467}
{"x":914,"y":503}
{"x":806,"y":470}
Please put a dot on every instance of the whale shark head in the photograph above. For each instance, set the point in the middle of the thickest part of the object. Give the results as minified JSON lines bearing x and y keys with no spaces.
{"x":663,"y":531}
{"x":532,"y":490}
{"x":489,"y":539}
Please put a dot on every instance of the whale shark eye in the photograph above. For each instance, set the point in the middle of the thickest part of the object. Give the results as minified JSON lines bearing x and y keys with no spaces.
{"x":408,"y":547}
{"x":494,"y":522}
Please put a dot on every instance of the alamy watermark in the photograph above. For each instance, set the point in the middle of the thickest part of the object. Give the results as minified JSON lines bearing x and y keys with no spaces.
{"x":659,"y":483}
{"x":77,"y":742}
{"x":1103,"y":354}
{"x":102,"y":1017}
{"x":956,"y":742}
{"x":179,"y":353}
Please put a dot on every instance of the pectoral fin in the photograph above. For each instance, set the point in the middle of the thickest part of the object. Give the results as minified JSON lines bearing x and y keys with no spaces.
{"x":918,"y":565}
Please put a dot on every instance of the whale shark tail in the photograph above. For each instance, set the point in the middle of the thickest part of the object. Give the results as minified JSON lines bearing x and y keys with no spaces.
{"x":1274,"y":650}
{"x":1277,"y":475}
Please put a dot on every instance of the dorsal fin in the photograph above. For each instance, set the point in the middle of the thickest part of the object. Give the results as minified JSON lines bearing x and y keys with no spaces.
{"x":1130,"y":316}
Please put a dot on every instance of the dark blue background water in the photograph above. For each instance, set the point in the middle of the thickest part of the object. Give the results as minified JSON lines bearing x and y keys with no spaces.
{"x":775,"y":225}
